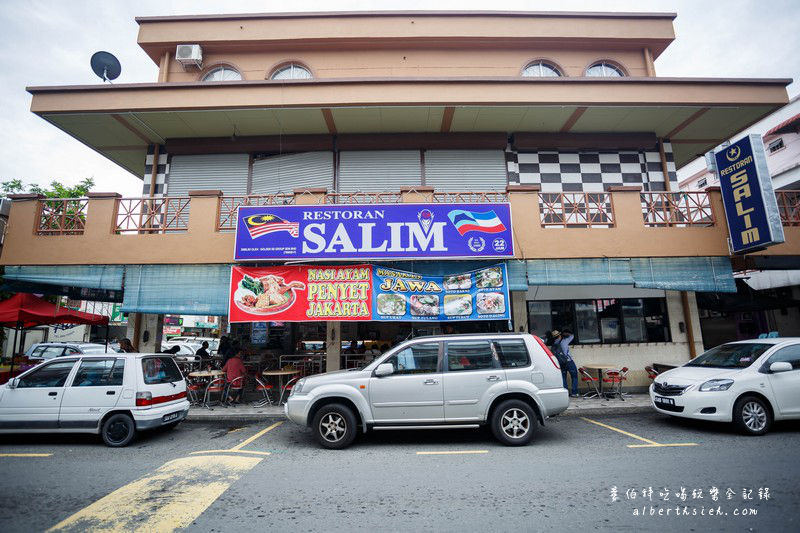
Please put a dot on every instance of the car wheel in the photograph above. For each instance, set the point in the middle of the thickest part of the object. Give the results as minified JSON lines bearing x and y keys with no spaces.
{"x":752,"y":415}
{"x":513,"y":423}
{"x":118,"y":430}
{"x":335,"y":426}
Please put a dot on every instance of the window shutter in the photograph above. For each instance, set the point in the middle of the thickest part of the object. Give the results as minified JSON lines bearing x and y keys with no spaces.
{"x":287,"y":172}
{"x":226,"y":172}
{"x":465,"y":170}
{"x":380,"y":170}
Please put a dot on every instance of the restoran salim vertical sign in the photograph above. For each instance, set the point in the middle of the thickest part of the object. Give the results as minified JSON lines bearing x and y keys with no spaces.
{"x":750,"y":205}
{"x":374,"y":231}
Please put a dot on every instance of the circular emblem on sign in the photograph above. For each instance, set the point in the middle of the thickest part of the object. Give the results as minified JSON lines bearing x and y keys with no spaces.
{"x":476,"y":244}
{"x":733,"y":153}
{"x":499,"y":245}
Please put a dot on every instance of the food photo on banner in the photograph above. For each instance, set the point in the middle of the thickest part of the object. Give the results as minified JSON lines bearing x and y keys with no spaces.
{"x":299,"y":293}
{"x":361,"y":232}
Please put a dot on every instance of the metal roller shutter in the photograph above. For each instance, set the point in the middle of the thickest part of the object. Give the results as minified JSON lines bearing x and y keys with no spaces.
{"x":226,"y":172}
{"x":285,"y":173}
{"x":381,"y":170}
{"x":465,"y":170}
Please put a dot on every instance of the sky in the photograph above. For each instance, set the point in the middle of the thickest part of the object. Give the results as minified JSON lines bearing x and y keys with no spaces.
{"x":50,"y":43}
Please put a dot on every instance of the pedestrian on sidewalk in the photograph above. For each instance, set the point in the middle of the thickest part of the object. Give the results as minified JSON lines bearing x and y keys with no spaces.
{"x":561,"y":341}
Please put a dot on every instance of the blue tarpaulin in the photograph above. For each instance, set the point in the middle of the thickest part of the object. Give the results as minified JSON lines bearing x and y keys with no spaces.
{"x":706,"y":274}
{"x":178,"y":289}
{"x":593,"y":271}
{"x":107,"y":277}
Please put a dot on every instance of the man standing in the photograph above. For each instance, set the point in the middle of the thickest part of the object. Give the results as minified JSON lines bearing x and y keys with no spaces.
{"x":561,"y":344}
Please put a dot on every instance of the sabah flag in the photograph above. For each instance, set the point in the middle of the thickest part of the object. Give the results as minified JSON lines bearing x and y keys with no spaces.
{"x":486,"y":222}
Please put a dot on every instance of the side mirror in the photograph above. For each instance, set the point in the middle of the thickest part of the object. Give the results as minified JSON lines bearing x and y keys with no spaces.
{"x":13,"y":382}
{"x":780,"y":366}
{"x":384,"y":369}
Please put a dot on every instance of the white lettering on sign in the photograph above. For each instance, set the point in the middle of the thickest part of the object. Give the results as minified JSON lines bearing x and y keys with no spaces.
{"x":403,"y":237}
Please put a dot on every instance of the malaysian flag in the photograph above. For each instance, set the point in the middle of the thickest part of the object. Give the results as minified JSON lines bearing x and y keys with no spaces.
{"x":258,"y":225}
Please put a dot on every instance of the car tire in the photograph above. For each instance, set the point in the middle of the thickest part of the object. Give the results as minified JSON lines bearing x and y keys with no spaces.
{"x":334,"y":426}
{"x":752,"y":415}
{"x":118,"y":430}
{"x":513,"y":423}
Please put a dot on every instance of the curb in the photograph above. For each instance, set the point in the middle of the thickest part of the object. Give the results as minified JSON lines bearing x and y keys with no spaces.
{"x":636,"y":409}
{"x":233,"y":418}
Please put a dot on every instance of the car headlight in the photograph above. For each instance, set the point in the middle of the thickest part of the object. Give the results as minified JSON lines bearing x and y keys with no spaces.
{"x":716,"y":385}
{"x":298,"y":387}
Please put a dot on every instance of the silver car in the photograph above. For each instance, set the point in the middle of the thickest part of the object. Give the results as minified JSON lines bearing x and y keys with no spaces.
{"x":509,"y":381}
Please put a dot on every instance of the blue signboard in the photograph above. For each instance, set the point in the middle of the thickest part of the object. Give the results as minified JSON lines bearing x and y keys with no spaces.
{"x":406,"y":296}
{"x":750,"y":205}
{"x":374,"y":231}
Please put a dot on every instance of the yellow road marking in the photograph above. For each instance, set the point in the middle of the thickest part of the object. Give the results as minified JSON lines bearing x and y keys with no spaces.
{"x":612,"y":428}
{"x":254,"y":437}
{"x":454,"y":452}
{"x":171,"y":498}
{"x":228,"y":451}
{"x":662,"y":445}
{"x":650,"y":443}
{"x":25,"y":454}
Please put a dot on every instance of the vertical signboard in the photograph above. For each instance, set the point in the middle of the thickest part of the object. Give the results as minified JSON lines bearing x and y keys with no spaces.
{"x":750,"y":205}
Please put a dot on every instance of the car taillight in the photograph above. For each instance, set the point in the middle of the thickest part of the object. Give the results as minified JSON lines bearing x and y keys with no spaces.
{"x":144,"y":399}
{"x":548,"y":352}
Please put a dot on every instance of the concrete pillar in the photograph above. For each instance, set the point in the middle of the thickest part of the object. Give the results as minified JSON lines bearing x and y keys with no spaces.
{"x":333,"y":344}
{"x":149,"y":334}
{"x":519,"y":308}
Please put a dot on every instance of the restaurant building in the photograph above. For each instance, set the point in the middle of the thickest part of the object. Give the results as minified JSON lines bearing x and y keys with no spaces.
{"x":542,"y":146}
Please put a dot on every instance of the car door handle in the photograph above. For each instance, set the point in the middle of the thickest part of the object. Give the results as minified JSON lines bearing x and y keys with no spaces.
{"x":52,"y":393}
{"x":430,"y":382}
{"x":493,"y":378}
{"x":110,"y":392}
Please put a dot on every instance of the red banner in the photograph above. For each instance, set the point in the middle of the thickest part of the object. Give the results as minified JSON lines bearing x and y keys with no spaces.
{"x":300,"y":293}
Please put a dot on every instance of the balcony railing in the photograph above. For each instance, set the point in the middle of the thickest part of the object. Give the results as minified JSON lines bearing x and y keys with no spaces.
{"x":152,"y":215}
{"x":229,"y":205}
{"x":576,"y":210}
{"x":489,"y":197}
{"x":61,"y":216}
{"x":362,"y":198}
{"x":789,"y":207}
{"x":677,"y":209}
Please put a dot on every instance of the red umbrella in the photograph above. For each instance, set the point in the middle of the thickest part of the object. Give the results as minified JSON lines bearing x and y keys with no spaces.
{"x":24,"y":310}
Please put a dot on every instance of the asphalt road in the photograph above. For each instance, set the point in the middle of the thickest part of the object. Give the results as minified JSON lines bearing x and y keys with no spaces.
{"x":248,"y":479}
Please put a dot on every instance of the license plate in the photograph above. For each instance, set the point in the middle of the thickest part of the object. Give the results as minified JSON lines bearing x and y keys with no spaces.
{"x":171,"y":416}
{"x":665,"y":401}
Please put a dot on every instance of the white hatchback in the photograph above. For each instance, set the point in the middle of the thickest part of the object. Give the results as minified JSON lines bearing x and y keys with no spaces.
{"x":114,"y":395}
{"x":750,"y":383}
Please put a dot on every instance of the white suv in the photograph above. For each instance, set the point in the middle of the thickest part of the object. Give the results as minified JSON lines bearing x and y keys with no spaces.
{"x":114,"y":395}
{"x":508,"y":381}
{"x":750,"y":383}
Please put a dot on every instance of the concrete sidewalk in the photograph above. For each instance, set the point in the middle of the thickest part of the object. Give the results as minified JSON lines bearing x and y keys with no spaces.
{"x":246,"y":414}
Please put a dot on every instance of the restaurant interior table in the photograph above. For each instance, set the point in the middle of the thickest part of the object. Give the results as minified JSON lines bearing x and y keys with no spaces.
{"x":206,"y":374}
{"x":600,"y":369}
{"x":280,"y":374}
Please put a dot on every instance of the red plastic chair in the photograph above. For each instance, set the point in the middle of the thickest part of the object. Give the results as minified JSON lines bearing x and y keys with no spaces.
{"x":193,"y":389}
{"x":265,"y":389}
{"x":615,"y":377}
{"x":586,"y":377}
{"x":288,"y":387}
{"x":652,"y":373}
{"x":237,"y":385}
{"x":216,"y":385}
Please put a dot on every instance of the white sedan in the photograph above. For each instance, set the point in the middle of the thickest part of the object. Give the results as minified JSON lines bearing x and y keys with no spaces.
{"x":750,"y":383}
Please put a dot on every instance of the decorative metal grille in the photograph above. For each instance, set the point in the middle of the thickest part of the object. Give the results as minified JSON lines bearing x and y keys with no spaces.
{"x":61,"y":216}
{"x":677,"y":209}
{"x":789,"y":207}
{"x":228,"y":206}
{"x":152,"y":215}
{"x":576,"y":210}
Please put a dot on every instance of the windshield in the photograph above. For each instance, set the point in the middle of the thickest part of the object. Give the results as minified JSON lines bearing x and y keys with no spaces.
{"x":731,"y":355}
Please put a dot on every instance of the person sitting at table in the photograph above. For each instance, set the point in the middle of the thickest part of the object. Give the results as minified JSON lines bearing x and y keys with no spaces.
{"x":234,"y":368}
{"x":352,"y":348}
{"x":203,"y":355}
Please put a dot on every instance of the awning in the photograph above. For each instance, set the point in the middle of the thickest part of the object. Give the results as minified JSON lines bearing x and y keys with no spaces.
{"x":106,"y":277}
{"x":177,"y":289}
{"x":712,"y":274}
{"x":26,"y":311}
{"x":791,"y":125}
{"x":595,"y":271}
{"x":771,"y":279}
{"x":709,"y":274}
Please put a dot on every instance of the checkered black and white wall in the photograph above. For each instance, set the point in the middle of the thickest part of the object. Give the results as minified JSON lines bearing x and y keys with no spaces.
{"x":162,"y":171}
{"x":591,"y":171}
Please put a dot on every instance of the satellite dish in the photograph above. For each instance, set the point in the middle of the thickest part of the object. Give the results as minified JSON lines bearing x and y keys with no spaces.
{"x":106,"y":66}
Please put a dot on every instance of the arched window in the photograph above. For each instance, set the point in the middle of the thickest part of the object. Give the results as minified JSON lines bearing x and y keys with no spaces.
{"x":541,"y":69}
{"x":223,"y":73}
{"x":604,"y":69}
{"x":291,"y":71}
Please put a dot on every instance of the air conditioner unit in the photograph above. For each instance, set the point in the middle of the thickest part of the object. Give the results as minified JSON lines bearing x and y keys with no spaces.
{"x":189,"y":55}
